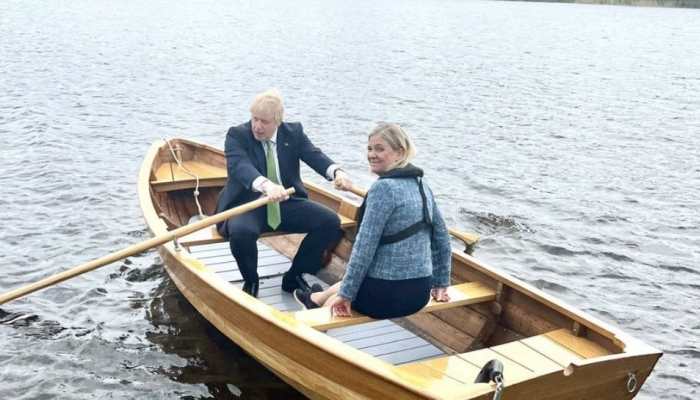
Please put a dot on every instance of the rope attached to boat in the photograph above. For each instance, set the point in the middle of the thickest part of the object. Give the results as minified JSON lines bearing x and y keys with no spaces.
{"x":190,"y":173}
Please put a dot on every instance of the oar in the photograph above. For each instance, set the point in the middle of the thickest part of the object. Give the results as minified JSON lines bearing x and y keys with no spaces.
{"x":469,"y":239}
{"x":134,"y":249}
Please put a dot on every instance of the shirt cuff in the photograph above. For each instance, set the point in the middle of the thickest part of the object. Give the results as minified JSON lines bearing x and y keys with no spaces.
{"x":258,"y":184}
{"x":330,"y":172}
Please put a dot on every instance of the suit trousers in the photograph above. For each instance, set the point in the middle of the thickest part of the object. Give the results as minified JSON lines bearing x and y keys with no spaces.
{"x":299,"y":215}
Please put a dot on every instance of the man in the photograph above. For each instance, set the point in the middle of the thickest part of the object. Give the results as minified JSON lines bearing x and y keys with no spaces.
{"x":262,"y":157}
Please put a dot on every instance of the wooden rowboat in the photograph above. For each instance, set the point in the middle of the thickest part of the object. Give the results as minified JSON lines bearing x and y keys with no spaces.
{"x":549,"y":350}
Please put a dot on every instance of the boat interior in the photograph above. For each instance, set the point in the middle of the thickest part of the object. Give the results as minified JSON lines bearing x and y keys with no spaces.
{"x":488,"y":317}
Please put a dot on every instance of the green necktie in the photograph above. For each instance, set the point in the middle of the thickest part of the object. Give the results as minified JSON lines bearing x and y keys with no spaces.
{"x":274,"y":217}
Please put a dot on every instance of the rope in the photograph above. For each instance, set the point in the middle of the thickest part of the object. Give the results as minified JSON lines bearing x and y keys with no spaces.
{"x":190,"y":173}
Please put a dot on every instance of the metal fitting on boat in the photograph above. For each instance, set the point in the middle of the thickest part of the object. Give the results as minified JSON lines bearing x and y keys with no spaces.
{"x":492,"y":371}
{"x":500,"y":385}
{"x":631,"y":382}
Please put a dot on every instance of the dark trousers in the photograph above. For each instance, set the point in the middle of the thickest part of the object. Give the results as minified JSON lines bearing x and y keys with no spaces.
{"x":381,"y":298}
{"x":321,"y":224}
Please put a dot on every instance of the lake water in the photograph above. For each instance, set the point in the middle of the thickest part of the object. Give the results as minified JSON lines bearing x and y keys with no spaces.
{"x":568,"y":136}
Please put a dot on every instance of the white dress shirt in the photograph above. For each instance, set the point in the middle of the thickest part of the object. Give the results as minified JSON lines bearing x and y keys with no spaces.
{"x":259,"y":182}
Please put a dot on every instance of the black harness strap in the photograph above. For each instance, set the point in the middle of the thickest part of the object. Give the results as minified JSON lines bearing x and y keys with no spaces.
{"x":409,"y":171}
{"x":425,"y":223}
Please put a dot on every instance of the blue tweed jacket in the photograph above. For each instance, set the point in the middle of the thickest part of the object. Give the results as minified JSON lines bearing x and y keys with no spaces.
{"x":391,"y":206}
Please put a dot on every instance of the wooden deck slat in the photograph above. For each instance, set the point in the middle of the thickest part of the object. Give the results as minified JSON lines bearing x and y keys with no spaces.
{"x":263,"y":272}
{"x":171,"y":172}
{"x":512,"y":371}
{"x":374,"y":340}
{"x":436,"y":375}
{"x":221,"y":246}
{"x":213,"y":246}
{"x":169,"y":176}
{"x":581,"y":346}
{"x":345,"y":330}
{"x":411,"y":355}
{"x":389,"y":341}
{"x":528,"y":357}
{"x":223,"y":266}
{"x":411,"y":342}
{"x":552,"y":350}
{"x":218,"y":253}
{"x":280,"y":298}
{"x":286,"y":304}
{"x":384,"y":338}
{"x":460,"y":295}
{"x":522,"y":359}
{"x":262,"y":262}
{"x":440,"y":385}
{"x":452,"y":366}
{"x":367,"y":332}
{"x":270,"y":263}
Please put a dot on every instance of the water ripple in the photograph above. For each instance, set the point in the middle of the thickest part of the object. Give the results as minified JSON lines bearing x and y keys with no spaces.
{"x":581,"y":176}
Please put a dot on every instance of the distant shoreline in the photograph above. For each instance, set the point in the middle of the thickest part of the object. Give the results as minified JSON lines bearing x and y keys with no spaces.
{"x":642,"y":3}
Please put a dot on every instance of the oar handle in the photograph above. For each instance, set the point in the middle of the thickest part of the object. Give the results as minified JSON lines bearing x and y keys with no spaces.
{"x":358,"y":191}
{"x":135,"y":249}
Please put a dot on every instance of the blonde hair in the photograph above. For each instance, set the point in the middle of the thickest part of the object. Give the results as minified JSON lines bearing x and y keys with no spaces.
{"x":397,"y":139}
{"x":269,"y":102}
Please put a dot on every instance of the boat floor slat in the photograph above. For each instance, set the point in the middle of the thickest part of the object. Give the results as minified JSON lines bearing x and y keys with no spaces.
{"x":453,"y":367}
{"x":381,"y":339}
{"x":522,"y":359}
{"x":369,"y":332}
{"x":229,"y":264}
{"x":204,"y":248}
{"x":384,"y":339}
{"x":412,"y":355}
{"x":227,"y":253}
{"x":527,"y":356}
{"x":551,"y":349}
{"x":337,"y":332}
{"x":233,"y":275}
{"x":381,"y":349}
{"x":516,"y":371}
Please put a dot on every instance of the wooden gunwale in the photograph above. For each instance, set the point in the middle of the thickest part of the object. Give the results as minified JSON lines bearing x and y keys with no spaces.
{"x":266,"y":326}
{"x":285,"y":345}
{"x":464,"y":262}
{"x":628,"y":344}
{"x":211,"y":289}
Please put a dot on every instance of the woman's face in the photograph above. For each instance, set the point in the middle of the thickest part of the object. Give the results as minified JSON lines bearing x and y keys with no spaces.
{"x":380,"y":155}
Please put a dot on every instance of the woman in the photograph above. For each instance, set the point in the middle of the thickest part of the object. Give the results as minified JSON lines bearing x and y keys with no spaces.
{"x":401,"y":254}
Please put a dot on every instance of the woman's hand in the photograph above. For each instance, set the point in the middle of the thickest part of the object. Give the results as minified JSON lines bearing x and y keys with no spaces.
{"x":340,"y":307}
{"x":440,"y":294}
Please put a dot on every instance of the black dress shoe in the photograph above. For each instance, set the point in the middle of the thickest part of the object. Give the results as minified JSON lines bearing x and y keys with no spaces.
{"x":291,"y":282}
{"x":251,"y":288}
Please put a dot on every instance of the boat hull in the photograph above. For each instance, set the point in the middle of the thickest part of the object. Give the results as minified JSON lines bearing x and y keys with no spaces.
{"x":320,"y":367}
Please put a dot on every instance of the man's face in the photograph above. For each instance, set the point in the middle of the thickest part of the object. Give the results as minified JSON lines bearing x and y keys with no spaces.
{"x":264,"y":125}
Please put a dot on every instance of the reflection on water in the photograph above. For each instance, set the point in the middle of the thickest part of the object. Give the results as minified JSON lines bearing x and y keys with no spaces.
{"x":566,"y":135}
{"x":212,"y":359}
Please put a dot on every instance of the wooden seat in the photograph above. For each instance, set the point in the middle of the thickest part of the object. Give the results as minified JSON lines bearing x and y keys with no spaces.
{"x":522,"y":359}
{"x":171,"y":176}
{"x":460,"y":295}
{"x":211,"y":235}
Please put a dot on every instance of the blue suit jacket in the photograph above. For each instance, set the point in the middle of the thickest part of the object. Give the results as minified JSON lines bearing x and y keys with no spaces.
{"x":245,"y":161}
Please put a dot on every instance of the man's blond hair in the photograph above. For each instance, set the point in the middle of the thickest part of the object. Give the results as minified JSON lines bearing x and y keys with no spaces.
{"x":269,"y":102}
